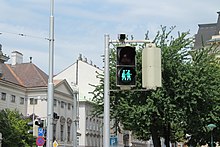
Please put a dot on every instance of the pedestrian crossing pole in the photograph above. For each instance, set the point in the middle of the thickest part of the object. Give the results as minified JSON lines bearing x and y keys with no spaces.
{"x":106,"y":133}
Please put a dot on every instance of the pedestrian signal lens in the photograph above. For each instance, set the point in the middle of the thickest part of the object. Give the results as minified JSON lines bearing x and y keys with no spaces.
{"x":126,"y":76}
{"x":126,"y":65}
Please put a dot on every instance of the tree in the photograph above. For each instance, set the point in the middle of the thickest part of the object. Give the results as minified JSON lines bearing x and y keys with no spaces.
{"x":202,"y":101}
{"x":14,"y":129}
{"x":186,"y":103}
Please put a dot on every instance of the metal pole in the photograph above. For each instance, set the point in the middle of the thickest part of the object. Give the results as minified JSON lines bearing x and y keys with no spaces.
{"x":50,"y":107}
{"x":211,"y":138}
{"x":106,"y":135}
{"x":33,"y":116}
{"x":75,"y":92}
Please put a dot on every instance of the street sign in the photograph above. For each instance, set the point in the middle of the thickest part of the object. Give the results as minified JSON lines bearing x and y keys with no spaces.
{"x":55,"y":144}
{"x":40,"y":132}
{"x":113,"y":141}
{"x":40,"y":141}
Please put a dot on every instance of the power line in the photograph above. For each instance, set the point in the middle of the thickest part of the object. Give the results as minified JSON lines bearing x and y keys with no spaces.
{"x":24,"y":35}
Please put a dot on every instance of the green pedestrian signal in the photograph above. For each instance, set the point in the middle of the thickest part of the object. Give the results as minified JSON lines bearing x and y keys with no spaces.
{"x":126,"y":74}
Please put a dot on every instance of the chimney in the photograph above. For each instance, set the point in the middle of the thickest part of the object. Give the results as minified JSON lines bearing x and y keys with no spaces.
{"x":85,"y":59}
{"x":3,"y":58}
{"x":30,"y":59}
{"x":16,"y":57}
{"x":80,"y":57}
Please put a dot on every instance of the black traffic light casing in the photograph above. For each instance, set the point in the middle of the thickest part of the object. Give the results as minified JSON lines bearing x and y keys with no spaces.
{"x":126,"y":62}
{"x":39,"y":123}
{"x":55,"y":116}
{"x":30,"y":124}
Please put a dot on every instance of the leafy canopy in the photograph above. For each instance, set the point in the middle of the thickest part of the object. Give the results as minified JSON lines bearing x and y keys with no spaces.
{"x":186,"y":103}
{"x":14,"y":129}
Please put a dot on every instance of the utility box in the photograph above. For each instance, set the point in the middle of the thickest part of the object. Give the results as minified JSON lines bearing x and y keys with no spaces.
{"x":151,"y":67}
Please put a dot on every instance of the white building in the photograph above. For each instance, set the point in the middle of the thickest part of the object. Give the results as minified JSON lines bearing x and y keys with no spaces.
{"x":83,"y":74}
{"x":23,"y":86}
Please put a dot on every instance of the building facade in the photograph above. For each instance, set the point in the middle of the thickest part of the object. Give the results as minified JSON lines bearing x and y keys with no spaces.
{"x":23,"y":87}
{"x":207,"y":33}
{"x":82,"y":75}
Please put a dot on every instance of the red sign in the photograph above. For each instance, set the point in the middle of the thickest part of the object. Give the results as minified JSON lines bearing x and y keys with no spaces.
{"x":40,"y":141}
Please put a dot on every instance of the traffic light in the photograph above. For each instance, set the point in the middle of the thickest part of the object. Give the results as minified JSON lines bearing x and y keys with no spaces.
{"x":30,"y":124}
{"x":33,"y":128}
{"x":126,"y":66}
{"x":55,"y":116}
{"x":39,"y":123}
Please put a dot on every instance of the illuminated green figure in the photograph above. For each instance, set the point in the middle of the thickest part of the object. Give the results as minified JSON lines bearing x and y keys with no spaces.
{"x":126,"y":75}
{"x":123,"y":76}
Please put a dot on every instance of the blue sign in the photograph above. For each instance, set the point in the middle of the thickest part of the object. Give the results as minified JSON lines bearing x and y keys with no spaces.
{"x":40,"y":131}
{"x":113,"y":141}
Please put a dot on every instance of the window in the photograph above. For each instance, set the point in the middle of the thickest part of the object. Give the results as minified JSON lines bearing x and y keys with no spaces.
{"x":87,"y":123}
{"x":97,"y":125}
{"x":68,"y":133}
{"x":54,"y":130}
{"x":78,"y":140}
{"x":61,"y":132}
{"x":21,"y":100}
{"x":3,"y":96}
{"x":69,"y":106}
{"x":55,"y":103}
{"x":94,"y":125}
{"x":13,"y":98}
{"x":33,"y":101}
{"x":90,"y":123}
{"x":62,"y":104}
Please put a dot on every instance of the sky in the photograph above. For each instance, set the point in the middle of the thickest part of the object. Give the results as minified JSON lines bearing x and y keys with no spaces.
{"x":80,"y":25}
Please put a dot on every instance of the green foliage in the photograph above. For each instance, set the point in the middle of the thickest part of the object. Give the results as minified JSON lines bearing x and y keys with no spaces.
{"x":202,"y":93}
{"x":14,"y":129}
{"x":186,"y":103}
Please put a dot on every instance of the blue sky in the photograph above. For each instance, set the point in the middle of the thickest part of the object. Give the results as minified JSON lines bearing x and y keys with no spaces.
{"x":80,"y":25}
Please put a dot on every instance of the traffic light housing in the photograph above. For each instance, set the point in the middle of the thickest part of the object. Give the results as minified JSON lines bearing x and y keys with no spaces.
{"x":151,"y":67}
{"x":39,"y":123}
{"x":126,"y":61}
{"x":55,"y":116}
{"x":30,"y":124}
{"x":32,"y":128}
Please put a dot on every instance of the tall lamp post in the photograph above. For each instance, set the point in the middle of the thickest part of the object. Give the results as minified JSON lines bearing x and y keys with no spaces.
{"x":211,"y":127}
{"x":50,"y":108}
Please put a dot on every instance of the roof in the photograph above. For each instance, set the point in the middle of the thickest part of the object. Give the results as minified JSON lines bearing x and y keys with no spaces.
{"x":24,"y":74}
{"x":206,"y":31}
